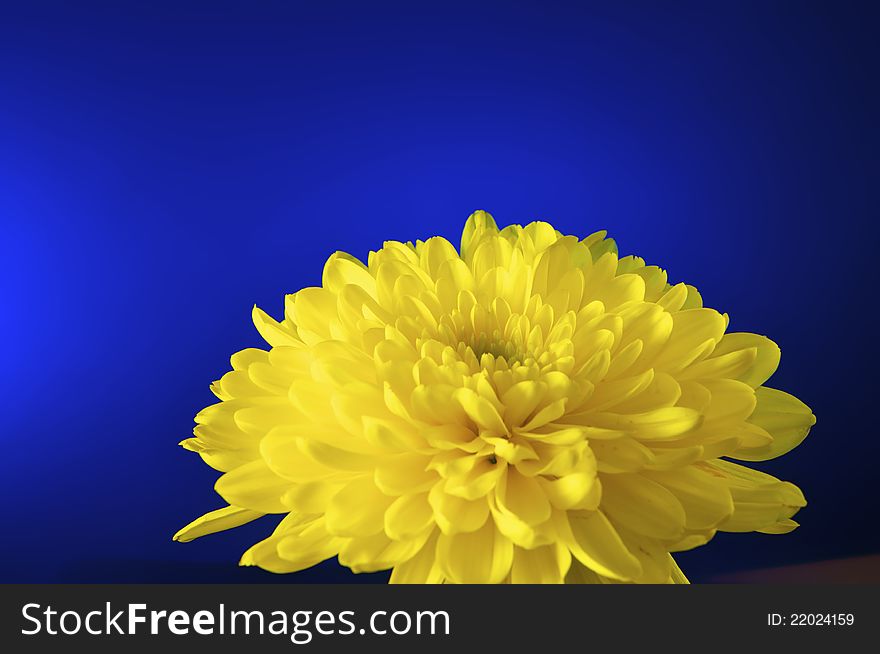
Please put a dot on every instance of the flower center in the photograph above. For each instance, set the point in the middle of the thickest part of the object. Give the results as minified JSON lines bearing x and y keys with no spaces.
{"x":496,"y":346}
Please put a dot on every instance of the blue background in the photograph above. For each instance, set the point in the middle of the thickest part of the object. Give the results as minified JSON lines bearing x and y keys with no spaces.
{"x":163,"y":168}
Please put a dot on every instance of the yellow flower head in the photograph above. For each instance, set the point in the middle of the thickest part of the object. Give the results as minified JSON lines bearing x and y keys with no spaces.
{"x":531,"y":409}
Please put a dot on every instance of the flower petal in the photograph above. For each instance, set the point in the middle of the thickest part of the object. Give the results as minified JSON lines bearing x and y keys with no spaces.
{"x":784,"y":417}
{"x":705,"y":498}
{"x":421,"y":568}
{"x":253,"y":486}
{"x":358,"y":509}
{"x":594,"y":542}
{"x":214,"y":521}
{"x":454,"y":514}
{"x":766,"y":355}
{"x":642,"y":506}
{"x":547,"y":564}
{"x":408,"y":516}
{"x":483,"y":556}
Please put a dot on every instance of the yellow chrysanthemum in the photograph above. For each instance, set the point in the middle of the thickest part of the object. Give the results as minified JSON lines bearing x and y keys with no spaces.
{"x":531,"y":409}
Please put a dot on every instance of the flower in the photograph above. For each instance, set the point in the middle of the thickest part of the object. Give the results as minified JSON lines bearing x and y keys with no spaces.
{"x":531,"y":409}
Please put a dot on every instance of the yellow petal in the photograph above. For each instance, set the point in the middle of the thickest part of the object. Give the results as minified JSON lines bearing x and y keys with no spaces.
{"x":594,"y":542}
{"x":784,"y":417}
{"x":611,"y":393}
{"x":483,"y":556}
{"x":620,"y":290}
{"x":480,"y":410}
{"x":705,"y":498}
{"x":766,"y":358}
{"x":755,"y":516}
{"x":760,"y":500}
{"x":274,"y":333}
{"x":408,"y":516}
{"x":547,"y":564}
{"x":214,"y":521}
{"x":342,"y":269}
{"x":378,"y":552}
{"x":358,"y":509}
{"x":673,"y":299}
{"x":692,"y":541}
{"x":547,"y":414}
{"x":660,"y":424}
{"x":663,"y":392}
{"x":238,"y":384}
{"x":654,"y":559}
{"x":514,"y":452}
{"x":448,"y":437}
{"x":731,"y":403}
{"x":307,"y":546}
{"x":421,"y":568}
{"x":244,"y":358}
{"x":304,"y":545}
{"x":281,"y":452}
{"x":653,"y":326}
{"x":270,"y":378}
{"x":726,"y":366}
{"x":570,"y":435}
{"x":521,"y":400}
{"x":642,"y":506}
{"x":523,"y":497}
{"x":556,"y":460}
{"x":253,"y":486}
{"x":694,"y":299}
{"x":335,"y":458}
{"x":580,"y":490}
{"x":454,"y":514}
{"x":691,"y":328}
{"x":621,"y":455}
{"x":404,"y":474}
{"x":436,"y":403}
{"x":434,"y":253}
{"x":391,"y":436}
{"x":259,"y":418}
{"x":517,"y":530}
{"x":265,"y":555}
{"x":310,"y":496}
{"x":624,"y":358}
{"x":478,"y":481}
{"x":782,"y":527}
{"x":478,"y":225}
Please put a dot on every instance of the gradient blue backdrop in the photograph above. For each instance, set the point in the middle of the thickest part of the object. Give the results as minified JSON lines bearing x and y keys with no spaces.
{"x":164,"y":168}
